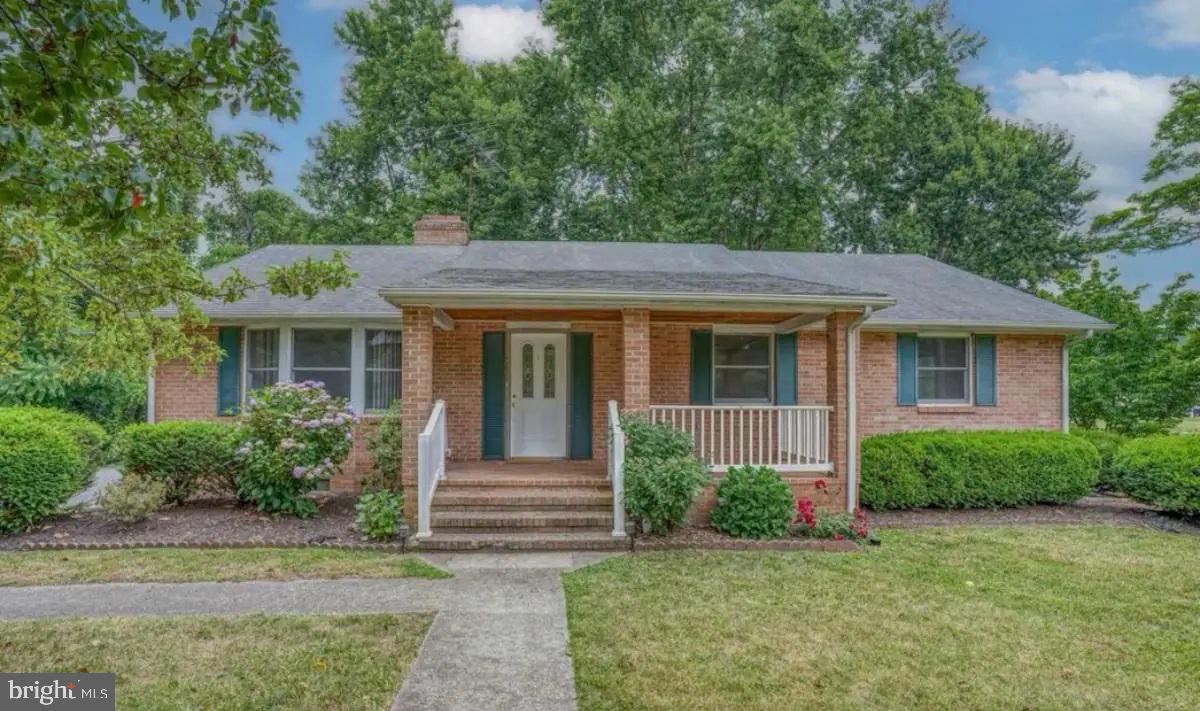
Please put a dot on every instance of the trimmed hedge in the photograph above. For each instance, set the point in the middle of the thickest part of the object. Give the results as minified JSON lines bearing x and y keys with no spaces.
{"x":980,"y":469}
{"x":1107,"y":443}
{"x":39,"y":469}
{"x":89,"y":437}
{"x":1163,"y":470}
{"x":182,"y":455}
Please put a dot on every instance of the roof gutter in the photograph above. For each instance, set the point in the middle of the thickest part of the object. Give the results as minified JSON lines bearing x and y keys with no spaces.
{"x":990,"y":326}
{"x":1066,"y":376}
{"x":464,"y":298}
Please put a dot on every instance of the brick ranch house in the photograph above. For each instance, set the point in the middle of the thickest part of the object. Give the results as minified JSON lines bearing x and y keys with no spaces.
{"x":510,"y":361}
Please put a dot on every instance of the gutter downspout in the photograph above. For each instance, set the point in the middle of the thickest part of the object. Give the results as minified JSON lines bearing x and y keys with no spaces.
{"x":852,"y":332}
{"x":1069,"y":341}
{"x":150,"y":395}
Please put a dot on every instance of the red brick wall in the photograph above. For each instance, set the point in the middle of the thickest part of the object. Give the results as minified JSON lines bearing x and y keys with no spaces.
{"x":635,"y":338}
{"x":1028,"y":389}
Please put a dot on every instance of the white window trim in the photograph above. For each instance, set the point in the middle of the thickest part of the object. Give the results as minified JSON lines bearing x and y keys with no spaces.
{"x":970,"y":370}
{"x":358,"y":352}
{"x":728,"y":330}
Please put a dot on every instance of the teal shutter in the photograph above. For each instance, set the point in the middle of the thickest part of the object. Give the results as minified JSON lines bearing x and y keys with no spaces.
{"x":985,"y":370}
{"x":785,"y":369}
{"x":906,"y":369}
{"x":701,"y":389}
{"x":493,"y":396}
{"x":581,"y":396}
{"x":229,"y":371}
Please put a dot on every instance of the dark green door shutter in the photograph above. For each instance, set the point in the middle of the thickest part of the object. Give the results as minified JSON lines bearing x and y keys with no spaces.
{"x":493,"y":396}
{"x":701,"y":389}
{"x":985,"y":370}
{"x":906,"y":369}
{"x":581,"y":396}
{"x":785,"y":369}
{"x":229,"y":371}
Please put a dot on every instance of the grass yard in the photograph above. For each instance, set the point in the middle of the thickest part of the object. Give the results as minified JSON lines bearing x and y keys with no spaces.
{"x":246,"y":662}
{"x":961,"y":618}
{"x":1189,"y":425}
{"x":176,"y":565}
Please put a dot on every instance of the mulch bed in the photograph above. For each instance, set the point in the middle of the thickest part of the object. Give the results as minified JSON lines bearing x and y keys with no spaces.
{"x":710,"y":538}
{"x":203,"y":524}
{"x":1111,"y":510}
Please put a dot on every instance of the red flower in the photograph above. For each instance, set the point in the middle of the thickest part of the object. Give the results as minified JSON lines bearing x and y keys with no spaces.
{"x":137,"y":199}
{"x":820,"y":484}
{"x":838,"y":537}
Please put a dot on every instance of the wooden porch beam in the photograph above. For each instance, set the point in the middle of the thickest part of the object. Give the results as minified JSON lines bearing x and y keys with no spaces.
{"x":442,"y":320}
{"x":798,"y":321}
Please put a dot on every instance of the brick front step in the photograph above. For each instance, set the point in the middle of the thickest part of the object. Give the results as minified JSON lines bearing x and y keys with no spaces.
{"x":527,"y":482}
{"x":523,"y":541}
{"x":507,"y":520}
{"x":514,"y":496}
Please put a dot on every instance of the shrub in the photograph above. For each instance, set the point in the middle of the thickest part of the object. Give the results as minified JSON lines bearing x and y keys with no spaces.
{"x":659,"y":492}
{"x":184,"y":456}
{"x":379,"y":514}
{"x":1163,"y":470}
{"x":133,"y":498}
{"x":1107,"y":443}
{"x":89,"y":437}
{"x":654,"y":441}
{"x":838,"y":525}
{"x":296,"y":435}
{"x":39,"y":468}
{"x":976,"y":469}
{"x":386,"y":448}
{"x":753,"y":502}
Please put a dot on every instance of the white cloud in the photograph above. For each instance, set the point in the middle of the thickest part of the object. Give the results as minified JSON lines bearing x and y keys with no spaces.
{"x":335,"y":4}
{"x":494,"y":33}
{"x":1176,"y":22}
{"x":1112,"y":116}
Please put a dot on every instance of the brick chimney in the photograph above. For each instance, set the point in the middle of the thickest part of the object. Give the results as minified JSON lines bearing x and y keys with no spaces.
{"x":441,"y":230}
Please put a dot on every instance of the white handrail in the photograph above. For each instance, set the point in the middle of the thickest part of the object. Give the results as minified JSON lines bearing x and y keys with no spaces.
{"x":786,"y":437}
{"x":616,"y":467}
{"x":431,"y":465}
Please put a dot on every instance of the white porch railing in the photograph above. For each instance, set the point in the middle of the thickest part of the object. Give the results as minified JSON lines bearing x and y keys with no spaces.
{"x":791,"y":438}
{"x":431,"y":465}
{"x":616,"y":467}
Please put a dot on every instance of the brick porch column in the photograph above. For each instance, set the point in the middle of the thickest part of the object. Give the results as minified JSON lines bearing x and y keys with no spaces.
{"x":416,"y":394}
{"x":836,"y":327}
{"x":636,"y":340}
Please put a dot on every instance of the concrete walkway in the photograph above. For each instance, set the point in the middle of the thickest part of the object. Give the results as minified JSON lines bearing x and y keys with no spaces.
{"x":499,"y":639}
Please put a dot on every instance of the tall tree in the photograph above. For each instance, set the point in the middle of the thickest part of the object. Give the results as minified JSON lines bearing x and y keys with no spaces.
{"x":760,"y":124}
{"x":105,"y":146}
{"x":255,"y":218}
{"x":1142,"y":376}
{"x":1167,"y":215}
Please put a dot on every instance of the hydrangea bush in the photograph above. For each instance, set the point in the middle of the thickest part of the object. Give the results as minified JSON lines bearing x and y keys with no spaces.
{"x":296,"y":435}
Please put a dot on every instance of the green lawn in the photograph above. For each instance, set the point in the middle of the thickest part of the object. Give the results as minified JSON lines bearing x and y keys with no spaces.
{"x":188,"y":565}
{"x":963,"y":618}
{"x":249,"y":662}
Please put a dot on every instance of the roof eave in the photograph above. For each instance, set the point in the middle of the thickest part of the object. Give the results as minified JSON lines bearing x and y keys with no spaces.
{"x":577,"y":298}
{"x":874,"y":324}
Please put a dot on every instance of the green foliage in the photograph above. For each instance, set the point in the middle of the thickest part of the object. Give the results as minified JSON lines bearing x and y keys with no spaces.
{"x":295,"y":435}
{"x":1168,"y":214}
{"x":976,"y":469}
{"x":111,"y":399}
{"x":379,"y":514}
{"x":107,"y":146}
{"x":133,"y":498}
{"x":1162,"y":470}
{"x":1107,"y":443}
{"x":760,"y":125}
{"x":221,"y":254}
{"x":255,"y":218}
{"x":659,"y":492}
{"x":644,"y":440}
{"x":1141,"y":377}
{"x":88,"y":437}
{"x":753,"y":502}
{"x":386,"y":447}
{"x":39,"y":470}
{"x":184,"y":456}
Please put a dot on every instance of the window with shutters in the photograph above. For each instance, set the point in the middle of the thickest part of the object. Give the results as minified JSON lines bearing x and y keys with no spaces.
{"x":943,"y":370}
{"x":262,"y":358}
{"x":323,"y":355}
{"x":742,"y":367}
{"x":382,"y":368}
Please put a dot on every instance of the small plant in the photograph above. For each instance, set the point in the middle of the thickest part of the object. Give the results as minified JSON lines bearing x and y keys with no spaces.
{"x":1162,"y":470}
{"x":660,"y":492}
{"x":646,"y":440}
{"x":89,"y":437}
{"x":753,"y":502}
{"x":296,"y":435}
{"x":184,"y":456}
{"x":380,"y":514}
{"x":133,"y":499}
{"x":837,"y":525}
{"x":386,"y":448}
{"x":39,"y":468}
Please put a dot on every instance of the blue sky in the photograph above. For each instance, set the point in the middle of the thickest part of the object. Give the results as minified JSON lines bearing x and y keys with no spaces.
{"x":1098,"y":68}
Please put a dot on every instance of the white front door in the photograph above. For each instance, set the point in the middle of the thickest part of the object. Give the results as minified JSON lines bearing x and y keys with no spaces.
{"x":538,"y":394}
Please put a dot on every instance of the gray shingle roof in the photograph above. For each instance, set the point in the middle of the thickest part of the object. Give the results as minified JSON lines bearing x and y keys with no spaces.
{"x":926,"y":291}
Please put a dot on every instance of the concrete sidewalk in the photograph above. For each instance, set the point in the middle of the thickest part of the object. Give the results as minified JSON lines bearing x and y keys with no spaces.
{"x":499,"y":639}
